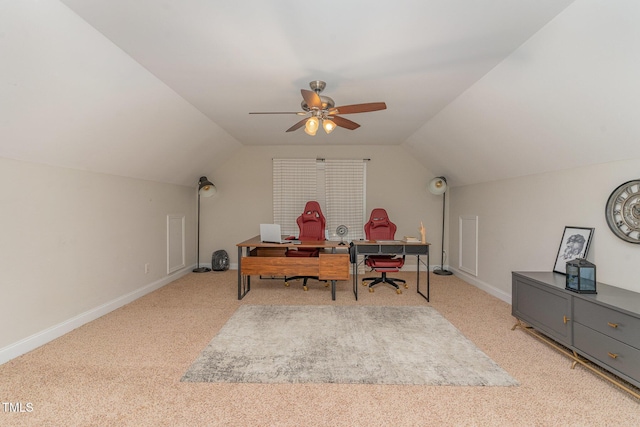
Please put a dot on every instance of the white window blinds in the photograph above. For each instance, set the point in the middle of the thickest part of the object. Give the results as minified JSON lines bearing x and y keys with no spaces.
{"x":338,"y":185}
{"x":294,"y":184}
{"x":345,"y":196}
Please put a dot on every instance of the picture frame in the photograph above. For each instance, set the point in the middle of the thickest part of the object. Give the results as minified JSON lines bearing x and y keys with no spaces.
{"x":574,"y":244}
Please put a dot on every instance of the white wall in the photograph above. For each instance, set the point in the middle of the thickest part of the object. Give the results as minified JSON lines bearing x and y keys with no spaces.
{"x":395,"y":181}
{"x":568,"y":97}
{"x":521,"y":221}
{"x":75,"y":243}
{"x":69,"y":97}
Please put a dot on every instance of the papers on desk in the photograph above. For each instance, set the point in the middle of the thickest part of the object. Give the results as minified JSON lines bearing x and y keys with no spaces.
{"x":410,"y":239}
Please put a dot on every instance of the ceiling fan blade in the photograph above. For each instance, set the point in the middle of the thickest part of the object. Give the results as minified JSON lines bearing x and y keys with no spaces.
{"x":345,"y":123}
{"x":312,"y":99}
{"x":358,"y":108}
{"x":280,"y":112}
{"x":298,"y":125}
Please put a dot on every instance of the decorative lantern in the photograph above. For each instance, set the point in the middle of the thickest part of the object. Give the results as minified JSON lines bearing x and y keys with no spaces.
{"x":581,"y":276}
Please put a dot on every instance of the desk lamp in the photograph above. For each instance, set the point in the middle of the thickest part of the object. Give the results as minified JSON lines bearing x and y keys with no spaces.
{"x":205,"y":189}
{"x":437,"y":186}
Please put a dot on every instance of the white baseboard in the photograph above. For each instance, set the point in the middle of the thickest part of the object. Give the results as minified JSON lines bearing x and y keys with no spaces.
{"x":491,"y":290}
{"x":40,"y":338}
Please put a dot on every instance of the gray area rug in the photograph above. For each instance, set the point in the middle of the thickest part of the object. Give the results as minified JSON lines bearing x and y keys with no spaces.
{"x":350,"y":345}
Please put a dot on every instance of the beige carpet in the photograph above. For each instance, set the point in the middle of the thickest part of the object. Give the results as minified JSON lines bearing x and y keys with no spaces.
{"x":124,"y":369}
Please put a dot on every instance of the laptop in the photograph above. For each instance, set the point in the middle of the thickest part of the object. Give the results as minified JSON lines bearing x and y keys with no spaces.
{"x":270,"y":233}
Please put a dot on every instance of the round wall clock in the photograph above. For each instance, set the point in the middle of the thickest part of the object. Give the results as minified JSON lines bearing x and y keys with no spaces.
{"x":623,"y":211}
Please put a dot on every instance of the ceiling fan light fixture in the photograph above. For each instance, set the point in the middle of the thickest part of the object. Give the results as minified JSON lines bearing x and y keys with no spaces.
{"x":323,"y":112}
{"x":328,"y":125}
{"x":311,"y":127}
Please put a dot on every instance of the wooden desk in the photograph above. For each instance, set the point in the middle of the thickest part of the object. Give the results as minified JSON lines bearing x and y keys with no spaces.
{"x":328,"y":266}
{"x":389,"y":247}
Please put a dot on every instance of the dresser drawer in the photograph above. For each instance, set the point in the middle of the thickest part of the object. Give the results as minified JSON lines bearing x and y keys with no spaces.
{"x":604,"y":350}
{"x":546,"y":308}
{"x":617,"y":325}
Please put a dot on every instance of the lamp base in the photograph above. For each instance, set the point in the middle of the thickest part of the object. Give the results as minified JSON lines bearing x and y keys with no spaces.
{"x":442,"y":272}
{"x":201,"y":270}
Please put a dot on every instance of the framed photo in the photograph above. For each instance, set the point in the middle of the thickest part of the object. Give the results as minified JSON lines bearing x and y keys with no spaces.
{"x":574,"y":244}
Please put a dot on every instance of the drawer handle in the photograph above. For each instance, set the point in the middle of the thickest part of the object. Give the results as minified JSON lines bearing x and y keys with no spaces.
{"x":612,"y":355}
{"x":565,"y":319}
{"x":613,"y":325}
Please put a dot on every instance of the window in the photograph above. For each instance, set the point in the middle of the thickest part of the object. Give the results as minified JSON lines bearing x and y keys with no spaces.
{"x":345,"y":196}
{"x":338,"y":185}
{"x":294,"y":183}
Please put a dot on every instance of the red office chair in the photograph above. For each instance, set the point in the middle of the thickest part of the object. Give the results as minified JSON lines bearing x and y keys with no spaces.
{"x":311,"y":224}
{"x":380,"y":227}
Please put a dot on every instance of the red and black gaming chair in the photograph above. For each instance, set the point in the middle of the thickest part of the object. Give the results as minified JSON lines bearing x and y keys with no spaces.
{"x":380,"y":227}
{"x":311,"y":224}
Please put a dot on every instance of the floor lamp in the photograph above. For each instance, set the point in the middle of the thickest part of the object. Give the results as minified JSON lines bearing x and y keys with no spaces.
{"x":437,"y":186}
{"x":205,"y":189}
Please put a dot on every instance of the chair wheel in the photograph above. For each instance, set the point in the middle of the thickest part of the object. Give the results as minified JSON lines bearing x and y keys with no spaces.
{"x":364,"y":283}
{"x":398,"y":291}
{"x":371,"y":290}
{"x":326,"y":285}
{"x":406,"y":286}
{"x":286,"y":284}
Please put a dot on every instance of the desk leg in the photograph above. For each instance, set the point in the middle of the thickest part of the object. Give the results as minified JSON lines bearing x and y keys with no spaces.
{"x":239,"y":273}
{"x":355,"y":277}
{"x":418,"y":277}
{"x":333,"y":282}
{"x":244,"y":283}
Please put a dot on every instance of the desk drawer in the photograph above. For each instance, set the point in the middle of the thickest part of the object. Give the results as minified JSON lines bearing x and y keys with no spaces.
{"x":333,"y":267}
{"x":607,"y":321}
{"x":368,"y":249}
{"x":381,"y":249}
{"x":279,"y":266}
{"x":270,"y":252}
{"x":391,"y":249}
{"x":416,"y":249}
{"x":608,"y":351}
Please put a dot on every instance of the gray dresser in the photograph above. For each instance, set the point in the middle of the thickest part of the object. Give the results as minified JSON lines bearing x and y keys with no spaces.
{"x":603,"y":328}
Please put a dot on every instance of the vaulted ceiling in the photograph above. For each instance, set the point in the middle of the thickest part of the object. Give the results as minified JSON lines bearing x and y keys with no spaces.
{"x":477,"y":90}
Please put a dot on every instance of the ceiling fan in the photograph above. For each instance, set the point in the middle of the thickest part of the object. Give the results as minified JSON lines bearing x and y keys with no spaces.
{"x":322,"y":110}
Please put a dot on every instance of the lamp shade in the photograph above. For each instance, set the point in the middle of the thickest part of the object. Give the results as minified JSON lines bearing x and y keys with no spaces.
{"x":311,"y":127}
{"x":438,"y":185}
{"x":328,"y":125}
{"x":206,"y":187}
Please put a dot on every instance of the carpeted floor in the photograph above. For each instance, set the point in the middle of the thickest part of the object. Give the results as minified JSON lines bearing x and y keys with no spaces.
{"x":124,"y":369}
{"x":344,"y":345}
